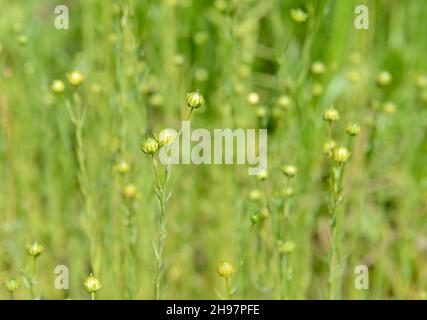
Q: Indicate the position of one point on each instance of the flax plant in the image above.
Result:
(77, 113)
(165, 139)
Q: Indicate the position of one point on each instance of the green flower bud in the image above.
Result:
(35, 249)
(286, 247)
(263, 175)
(317, 89)
(288, 192)
(329, 146)
(57, 86)
(331, 115)
(353, 129)
(122, 167)
(284, 102)
(92, 284)
(11, 284)
(195, 100)
(150, 146)
(298, 15)
(255, 218)
(341, 154)
(166, 137)
(253, 98)
(255, 195)
(130, 191)
(264, 214)
(389, 108)
(225, 269)
(75, 78)
(318, 68)
(289, 170)
(23, 39)
(384, 78)
(421, 81)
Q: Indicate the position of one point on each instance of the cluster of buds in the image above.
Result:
(167, 137)
(339, 154)
(75, 79)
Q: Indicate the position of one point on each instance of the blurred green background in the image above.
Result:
(252, 61)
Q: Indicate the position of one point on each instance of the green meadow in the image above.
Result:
(88, 210)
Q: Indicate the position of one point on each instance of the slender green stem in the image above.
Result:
(162, 233)
(227, 285)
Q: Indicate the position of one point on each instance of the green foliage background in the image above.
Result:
(140, 59)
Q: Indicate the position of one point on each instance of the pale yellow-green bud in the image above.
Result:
(353, 129)
(201, 37)
(421, 81)
(255, 218)
(122, 167)
(35, 249)
(253, 98)
(264, 213)
(195, 100)
(255, 195)
(130, 191)
(166, 137)
(354, 76)
(329, 146)
(57, 86)
(317, 89)
(331, 115)
(389, 108)
(341, 154)
(75, 78)
(289, 170)
(287, 192)
(384, 78)
(284, 102)
(225, 269)
(92, 284)
(155, 100)
(318, 68)
(262, 175)
(150, 146)
(11, 284)
(298, 15)
(261, 112)
(286, 247)
(23, 39)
